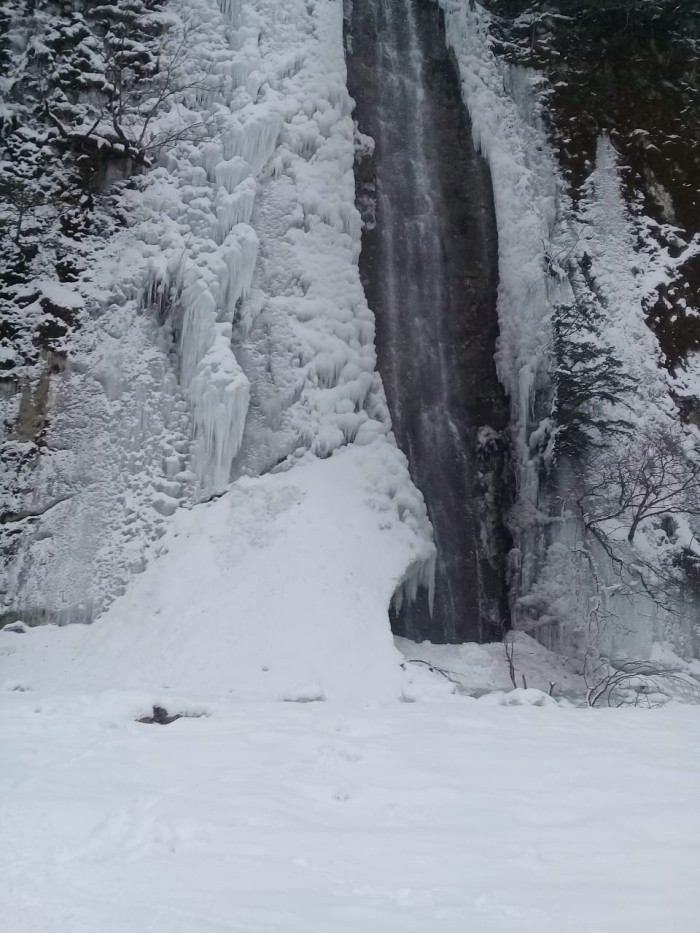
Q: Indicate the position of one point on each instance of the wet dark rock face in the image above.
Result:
(430, 269)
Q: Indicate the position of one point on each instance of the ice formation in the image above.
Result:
(539, 228)
(507, 129)
(225, 330)
(265, 238)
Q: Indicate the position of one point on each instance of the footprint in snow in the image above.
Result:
(336, 754)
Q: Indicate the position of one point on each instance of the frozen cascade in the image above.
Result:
(294, 136)
(210, 286)
(429, 265)
(209, 267)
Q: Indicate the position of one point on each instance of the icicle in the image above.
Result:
(419, 575)
(240, 252)
(219, 393)
(199, 317)
(211, 156)
(230, 173)
(234, 208)
(237, 70)
(255, 141)
(232, 11)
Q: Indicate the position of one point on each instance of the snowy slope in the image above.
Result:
(279, 588)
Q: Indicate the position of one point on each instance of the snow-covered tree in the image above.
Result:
(84, 87)
(589, 380)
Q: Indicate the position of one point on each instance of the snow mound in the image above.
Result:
(477, 670)
(521, 696)
(278, 589)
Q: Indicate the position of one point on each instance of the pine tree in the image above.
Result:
(590, 381)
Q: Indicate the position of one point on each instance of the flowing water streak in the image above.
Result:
(429, 266)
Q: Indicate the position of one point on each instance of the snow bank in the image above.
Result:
(481, 669)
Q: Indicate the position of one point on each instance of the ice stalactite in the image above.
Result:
(207, 268)
(419, 577)
(209, 287)
(229, 173)
(506, 114)
(232, 11)
(219, 393)
(234, 208)
(506, 119)
(254, 141)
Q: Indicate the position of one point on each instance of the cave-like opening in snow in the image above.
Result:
(429, 266)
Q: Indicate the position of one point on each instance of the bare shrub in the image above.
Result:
(657, 474)
(632, 683)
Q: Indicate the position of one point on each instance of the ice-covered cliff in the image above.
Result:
(223, 332)
(183, 308)
(594, 270)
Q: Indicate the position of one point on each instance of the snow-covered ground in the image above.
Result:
(452, 815)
